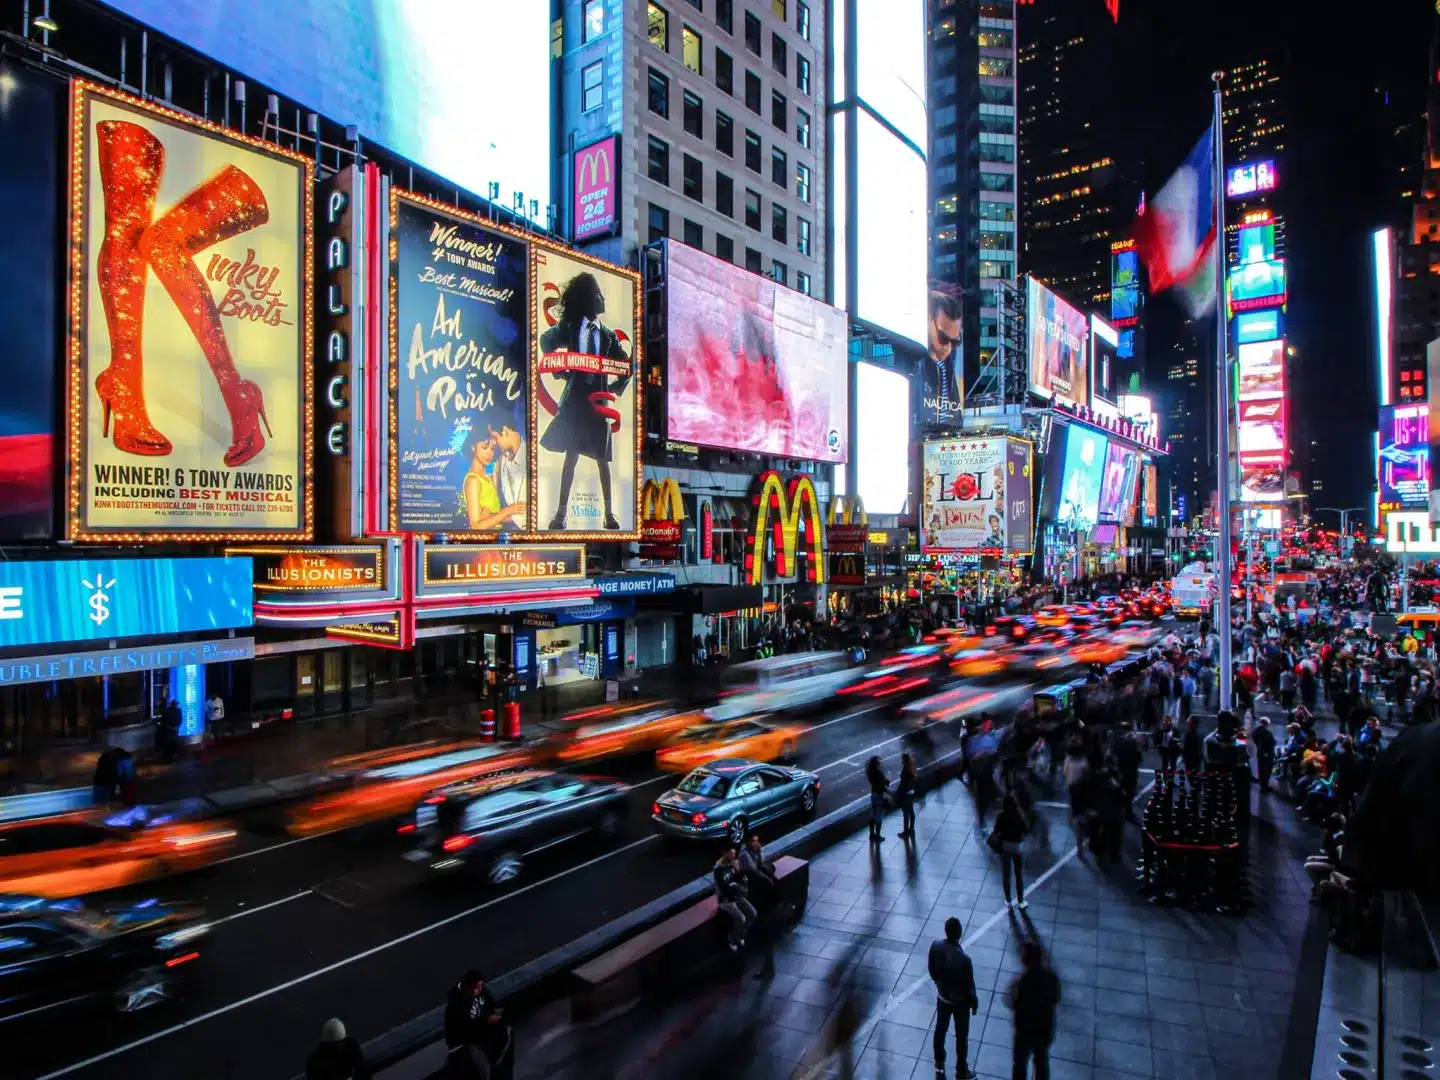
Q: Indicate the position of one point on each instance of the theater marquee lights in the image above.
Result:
(785, 509)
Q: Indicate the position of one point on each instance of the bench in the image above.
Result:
(680, 946)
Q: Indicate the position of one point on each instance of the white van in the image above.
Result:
(789, 683)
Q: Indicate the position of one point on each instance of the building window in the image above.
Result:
(779, 272)
(996, 39)
(1003, 152)
(802, 236)
(659, 28)
(592, 90)
(752, 32)
(752, 209)
(997, 94)
(802, 24)
(779, 167)
(997, 181)
(694, 178)
(802, 182)
(694, 111)
(724, 134)
(802, 279)
(996, 68)
(752, 260)
(802, 75)
(779, 55)
(593, 23)
(779, 224)
(802, 128)
(724, 248)
(725, 15)
(692, 48)
(778, 7)
(659, 94)
(659, 223)
(725, 194)
(779, 109)
(659, 161)
(693, 234)
(724, 72)
(752, 151)
(752, 92)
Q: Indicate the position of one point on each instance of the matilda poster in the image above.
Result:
(963, 497)
(191, 379)
(461, 402)
(585, 407)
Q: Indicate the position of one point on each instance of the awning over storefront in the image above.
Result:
(708, 599)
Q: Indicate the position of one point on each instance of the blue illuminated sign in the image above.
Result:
(635, 584)
(1257, 326)
(84, 665)
(45, 603)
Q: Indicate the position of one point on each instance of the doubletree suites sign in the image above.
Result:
(485, 564)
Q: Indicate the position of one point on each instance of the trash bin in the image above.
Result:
(487, 725)
(512, 721)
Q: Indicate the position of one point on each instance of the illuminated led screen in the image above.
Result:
(1249, 178)
(1056, 348)
(421, 79)
(882, 438)
(891, 64)
(1257, 285)
(1404, 455)
(1257, 326)
(1256, 243)
(1124, 288)
(1085, 451)
(892, 286)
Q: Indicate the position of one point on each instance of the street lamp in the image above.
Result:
(1346, 544)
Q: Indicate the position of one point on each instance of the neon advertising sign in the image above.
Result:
(784, 508)
(1250, 179)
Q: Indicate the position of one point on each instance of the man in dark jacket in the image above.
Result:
(338, 1056)
(730, 891)
(1128, 755)
(476, 1031)
(1264, 740)
(1033, 998)
(954, 979)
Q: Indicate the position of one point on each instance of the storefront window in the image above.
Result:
(568, 653)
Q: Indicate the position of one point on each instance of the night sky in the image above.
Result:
(1338, 176)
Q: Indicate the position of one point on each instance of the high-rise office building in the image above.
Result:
(974, 139)
(1078, 190)
(1416, 257)
(1255, 112)
(711, 120)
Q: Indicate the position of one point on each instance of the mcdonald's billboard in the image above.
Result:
(662, 512)
(847, 525)
(847, 568)
(793, 514)
(595, 196)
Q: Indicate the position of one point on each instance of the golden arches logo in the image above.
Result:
(781, 508)
(594, 160)
(847, 510)
(660, 500)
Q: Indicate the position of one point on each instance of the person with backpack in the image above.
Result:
(338, 1057)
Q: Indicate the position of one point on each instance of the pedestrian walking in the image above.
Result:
(905, 795)
(1264, 740)
(338, 1057)
(879, 782)
(1008, 840)
(480, 1041)
(955, 999)
(1034, 996)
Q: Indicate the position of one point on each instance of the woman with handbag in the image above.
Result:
(879, 782)
(1008, 840)
(905, 795)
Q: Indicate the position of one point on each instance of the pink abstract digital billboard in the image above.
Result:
(753, 365)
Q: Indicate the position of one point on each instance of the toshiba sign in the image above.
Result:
(596, 187)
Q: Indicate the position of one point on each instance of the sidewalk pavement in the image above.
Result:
(1148, 991)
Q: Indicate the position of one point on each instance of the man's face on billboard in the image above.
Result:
(944, 336)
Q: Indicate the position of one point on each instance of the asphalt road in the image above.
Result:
(340, 925)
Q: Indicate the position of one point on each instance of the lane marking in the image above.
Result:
(271, 847)
(261, 907)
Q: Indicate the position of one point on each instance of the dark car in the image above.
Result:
(726, 799)
(58, 954)
(495, 822)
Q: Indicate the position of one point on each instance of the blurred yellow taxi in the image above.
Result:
(75, 854)
(748, 737)
(614, 730)
(976, 663)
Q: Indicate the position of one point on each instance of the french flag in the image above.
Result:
(1176, 231)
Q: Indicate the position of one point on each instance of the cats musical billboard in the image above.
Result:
(190, 311)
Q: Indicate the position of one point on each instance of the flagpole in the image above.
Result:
(1222, 395)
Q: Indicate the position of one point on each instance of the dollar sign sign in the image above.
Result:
(99, 608)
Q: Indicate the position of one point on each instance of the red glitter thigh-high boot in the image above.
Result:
(131, 163)
(226, 205)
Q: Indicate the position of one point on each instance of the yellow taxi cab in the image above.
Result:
(1099, 651)
(386, 785)
(748, 737)
(1053, 615)
(614, 730)
(74, 854)
(974, 663)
